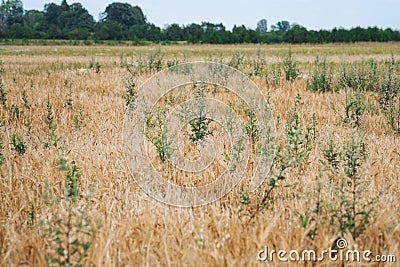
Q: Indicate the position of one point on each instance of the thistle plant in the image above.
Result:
(158, 134)
(69, 230)
(199, 126)
(290, 67)
(320, 80)
(289, 158)
(18, 144)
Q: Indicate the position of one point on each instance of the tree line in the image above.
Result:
(122, 21)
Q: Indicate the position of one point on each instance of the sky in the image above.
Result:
(312, 14)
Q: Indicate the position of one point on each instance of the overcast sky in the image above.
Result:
(313, 14)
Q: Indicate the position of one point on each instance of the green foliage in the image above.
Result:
(69, 101)
(18, 144)
(244, 198)
(350, 214)
(72, 181)
(94, 65)
(25, 100)
(78, 119)
(320, 80)
(157, 133)
(332, 154)
(150, 62)
(16, 112)
(130, 86)
(49, 116)
(70, 230)
(251, 127)
(32, 212)
(289, 158)
(355, 107)
(2, 158)
(347, 211)
(389, 96)
(199, 126)
(122, 21)
(361, 76)
(259, 64)
(28, 125)
(290, 67)
(52, 138)
(3, 94)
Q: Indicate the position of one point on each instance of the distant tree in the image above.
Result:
(77, 21)
(297, 34)
(124, 14)
(214, 33)
(152, 33)
(194, 33)
(11, 12)
(174, 32)
(34, 19)
(262, 25)
(52, 13)
(67, 21)
(282, 26)
(109, 30)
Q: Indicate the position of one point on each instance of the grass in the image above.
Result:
(137, 230)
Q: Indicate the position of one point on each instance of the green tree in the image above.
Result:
(174, 32)
(262, 25)
(283, 26)
(11, 12)
(193, 33)
(34, 19)
(297, 35)
(124, 14)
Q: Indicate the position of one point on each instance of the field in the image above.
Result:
(68, 197)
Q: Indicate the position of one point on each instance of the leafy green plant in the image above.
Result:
(236, 60)
(28, 125)
(16, 112)
(259, 64)
(355, 107)
(332, 154)
(351, 213)
(290, 67)
(360, 76)
(25, 100)
(251, 127)
(18, 144)
(158, 134)
(289, 158)
(3, 94)
(94, 65)
(320, 80)
(200, 124)
(347, 211)
(32, 212)
(244, 198)
(2, 158)
(69, 101)
(389, 96)
(52, 138)
(49, 116)
(130, 86)
(276, 74)
(78, 119)
(69, 230)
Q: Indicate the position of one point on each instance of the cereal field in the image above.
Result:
(68, 197)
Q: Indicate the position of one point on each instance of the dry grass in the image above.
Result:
(139, 231)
